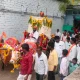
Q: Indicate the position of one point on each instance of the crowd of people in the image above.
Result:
(61, 56)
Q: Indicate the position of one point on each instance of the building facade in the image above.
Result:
(72, 18)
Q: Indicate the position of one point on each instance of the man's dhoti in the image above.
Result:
(23, 77)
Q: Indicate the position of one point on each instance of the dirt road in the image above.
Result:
(6, 75)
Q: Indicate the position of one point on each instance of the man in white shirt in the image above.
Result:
(41, 64)
(58, 33)
(72, 52)
(35, 33)
(64, 65)
(59, 46)
(67, 43)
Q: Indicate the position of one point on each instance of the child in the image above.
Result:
(73, 65)
(64, 65)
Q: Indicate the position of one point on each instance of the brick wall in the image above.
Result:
(14, 24)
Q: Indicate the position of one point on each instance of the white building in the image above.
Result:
(14, 23)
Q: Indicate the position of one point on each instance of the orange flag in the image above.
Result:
(4, 34)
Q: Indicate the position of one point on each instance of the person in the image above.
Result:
(25, 34)
(77, 38)
(75, 30)
(67, 43)
(73, 65)
(78, 52)
(58, 33)
(27, 38)
(59, 46)
(41, 64)
(26, 63)
(68, 34)
(72, 52)
(64, 36)
(73, 35)
(52, 61)
(64, 65)
(35, 33)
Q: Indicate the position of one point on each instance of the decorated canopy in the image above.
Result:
(43, 24)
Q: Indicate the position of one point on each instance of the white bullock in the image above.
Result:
(15, 57)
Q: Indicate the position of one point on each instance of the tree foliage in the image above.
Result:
(64, 3)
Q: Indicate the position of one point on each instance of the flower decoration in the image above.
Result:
(39, 24)
(49, 23)
(6, 52)
(30, 20)
(45, 21)
(43, 40)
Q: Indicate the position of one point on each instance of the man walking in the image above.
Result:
(41, 64)
(52, 61)
(26, 64)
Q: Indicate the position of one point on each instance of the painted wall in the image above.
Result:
(15, 24)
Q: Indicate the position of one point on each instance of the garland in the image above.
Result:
(43, 40)
(45, 21)
(6, 53)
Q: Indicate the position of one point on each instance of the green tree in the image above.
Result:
(64, 3)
